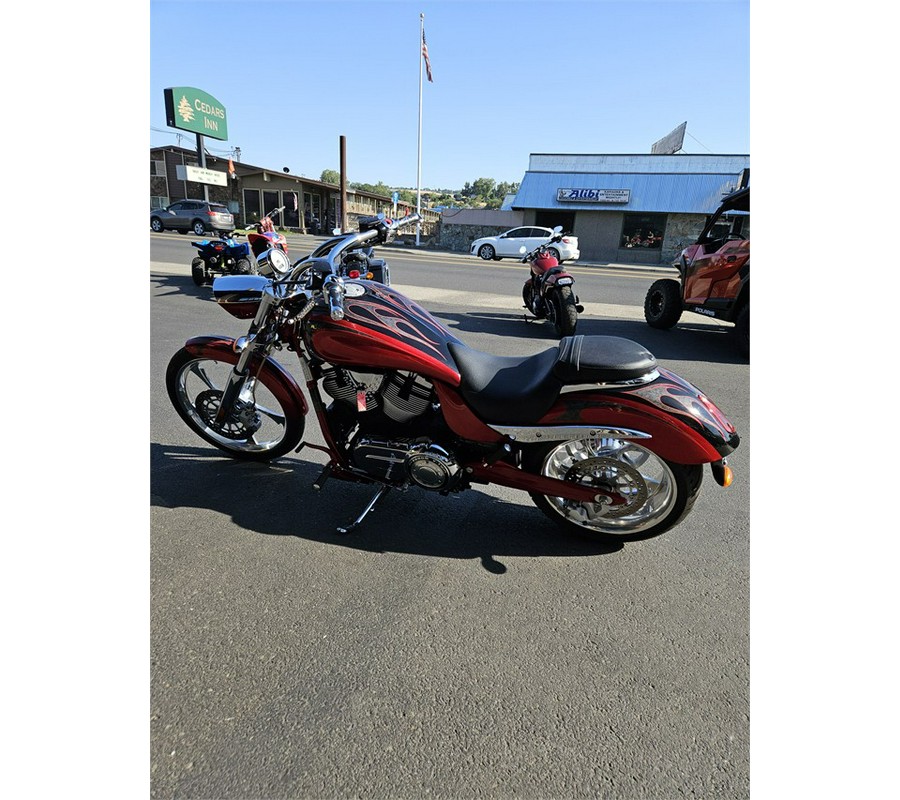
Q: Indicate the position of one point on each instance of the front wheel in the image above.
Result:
(156, 225)
(486, 252)
(198, 271)
(565, 312)
(259, 428)
(662, 305)
(658, 494)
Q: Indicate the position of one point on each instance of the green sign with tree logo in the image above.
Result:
(193, 110)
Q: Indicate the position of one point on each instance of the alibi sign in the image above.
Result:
(193, 110)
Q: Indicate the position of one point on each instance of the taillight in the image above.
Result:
(354, 273)
(566, 240)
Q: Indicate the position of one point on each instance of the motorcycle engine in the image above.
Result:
(421, 461)
(400, 397)
(382, 401)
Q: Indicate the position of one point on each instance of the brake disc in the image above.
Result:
(242, 423)
(615, 477)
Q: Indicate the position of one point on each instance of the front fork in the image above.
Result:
(246, 346)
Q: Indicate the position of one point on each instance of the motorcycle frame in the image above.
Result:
(604, 412)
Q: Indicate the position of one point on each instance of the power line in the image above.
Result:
(698, 141)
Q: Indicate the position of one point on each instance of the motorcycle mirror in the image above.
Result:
(336, 232)
(557, 229)
(523, 249)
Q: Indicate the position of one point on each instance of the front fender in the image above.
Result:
(276, 378)
(686, 426)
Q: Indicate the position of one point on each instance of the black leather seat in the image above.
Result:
(519, 390)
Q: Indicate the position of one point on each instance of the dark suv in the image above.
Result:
(714, 274)
(192, 215)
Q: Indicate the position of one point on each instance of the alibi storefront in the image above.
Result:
(640, 209)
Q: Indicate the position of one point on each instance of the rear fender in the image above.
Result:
(277, 379)
(552, 279)
(686, 427)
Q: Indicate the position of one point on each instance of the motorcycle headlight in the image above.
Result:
(273, 262)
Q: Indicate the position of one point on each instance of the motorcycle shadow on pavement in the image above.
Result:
(179, 284)
(277, 499)
(687, 341)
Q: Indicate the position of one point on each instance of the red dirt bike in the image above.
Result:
(265, 237)
(549, 292)
(608, 443)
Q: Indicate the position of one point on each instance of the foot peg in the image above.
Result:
(382, 491)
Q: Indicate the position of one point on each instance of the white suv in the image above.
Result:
(507, 245)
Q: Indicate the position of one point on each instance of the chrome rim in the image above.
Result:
(258, 424)
(486, 252)
(632, 471)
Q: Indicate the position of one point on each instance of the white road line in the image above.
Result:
(429, 296)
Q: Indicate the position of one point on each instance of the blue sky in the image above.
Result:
(511, 77)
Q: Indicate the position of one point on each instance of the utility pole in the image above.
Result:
(343, 184)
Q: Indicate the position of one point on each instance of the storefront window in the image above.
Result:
(270, 203)
(643, 230)
(251, 205)
(291, 203)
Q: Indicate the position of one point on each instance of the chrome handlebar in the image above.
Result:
(333, 284)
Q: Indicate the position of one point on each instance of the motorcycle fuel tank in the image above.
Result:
(384, 329)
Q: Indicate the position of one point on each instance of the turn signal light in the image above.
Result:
(722, 473)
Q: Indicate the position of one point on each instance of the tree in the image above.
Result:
(331, 176)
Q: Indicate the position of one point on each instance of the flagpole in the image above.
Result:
(419, 164)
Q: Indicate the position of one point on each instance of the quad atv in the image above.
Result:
(714, 274)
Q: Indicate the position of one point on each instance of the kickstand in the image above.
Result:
(382, 491)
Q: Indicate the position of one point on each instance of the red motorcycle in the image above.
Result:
(549, 292)
(606, 441)
(265, 237)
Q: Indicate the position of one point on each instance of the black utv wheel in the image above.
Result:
(662, 305)
(742, 331)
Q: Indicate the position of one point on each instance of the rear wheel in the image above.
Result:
(658, 494)
(565, 314)
(198, 271)
(662, 305)
(486, 252)
(198, 228)
(243, 266)
(259, 428)
(555, 253)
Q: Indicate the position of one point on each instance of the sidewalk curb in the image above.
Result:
(665, 269)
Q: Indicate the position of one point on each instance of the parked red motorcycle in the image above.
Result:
(549, 292)
(608, 443)
(265, 237)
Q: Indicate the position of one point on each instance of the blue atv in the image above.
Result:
(222, 256)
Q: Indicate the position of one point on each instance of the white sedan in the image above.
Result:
(507, 245)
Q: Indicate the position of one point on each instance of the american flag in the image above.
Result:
(427, 60)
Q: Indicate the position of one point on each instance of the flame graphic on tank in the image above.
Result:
(398, 316)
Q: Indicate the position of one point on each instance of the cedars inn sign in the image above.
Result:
(192, 110)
